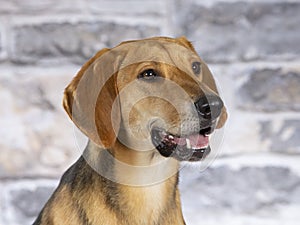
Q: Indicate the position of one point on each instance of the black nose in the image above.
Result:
(209, 106)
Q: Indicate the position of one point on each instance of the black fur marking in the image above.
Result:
(82, 216)
(70, 175)
(38, 220)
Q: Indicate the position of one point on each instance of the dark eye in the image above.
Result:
(196, 66)
(149, 74)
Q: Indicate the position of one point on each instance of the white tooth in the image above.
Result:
(170, 137)
(188, 143)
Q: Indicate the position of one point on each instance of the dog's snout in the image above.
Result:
(209, 107)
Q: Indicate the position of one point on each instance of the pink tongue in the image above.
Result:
(196, 140)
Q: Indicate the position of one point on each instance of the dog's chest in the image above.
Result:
(144, 203)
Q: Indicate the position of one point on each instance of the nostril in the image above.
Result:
(204, 109)
(209, 106)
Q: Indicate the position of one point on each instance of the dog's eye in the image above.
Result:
(149, 74)
(196, 67)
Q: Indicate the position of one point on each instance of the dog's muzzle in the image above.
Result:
(209, 107)
(195, 146)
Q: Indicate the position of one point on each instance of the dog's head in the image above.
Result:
(147, 94)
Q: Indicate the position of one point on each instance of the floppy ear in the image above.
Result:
(90, 96)
(186, 43)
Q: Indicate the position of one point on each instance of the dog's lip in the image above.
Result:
(192, 147)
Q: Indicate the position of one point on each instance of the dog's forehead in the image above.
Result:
(128, 55)
(156, 50)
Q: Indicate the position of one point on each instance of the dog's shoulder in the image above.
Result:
(72, 182)
(72, 173)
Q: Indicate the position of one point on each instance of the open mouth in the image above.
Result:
(193, 147)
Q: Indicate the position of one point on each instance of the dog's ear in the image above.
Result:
(90, 97)
(186, 43)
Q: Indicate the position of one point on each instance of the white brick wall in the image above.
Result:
(252, 48)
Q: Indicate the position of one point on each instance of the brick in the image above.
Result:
(2, 199)
(24, 199)
(284, 138)
(76, 42)
(37, 7)
(27, 202)
(6, 6)
(1, 47)
(128, 7)
(270, 90)
(228, 31)
(247, 190)
(37, 130)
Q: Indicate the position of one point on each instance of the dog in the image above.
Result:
(145, 106)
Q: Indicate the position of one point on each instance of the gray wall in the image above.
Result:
(252, 47)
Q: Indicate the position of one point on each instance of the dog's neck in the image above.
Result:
(130, 167)
(146, 189)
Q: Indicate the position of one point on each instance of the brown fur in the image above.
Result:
(99, 104)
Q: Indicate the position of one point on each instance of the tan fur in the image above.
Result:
(121, 178)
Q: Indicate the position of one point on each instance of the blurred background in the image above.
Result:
(251, 46)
